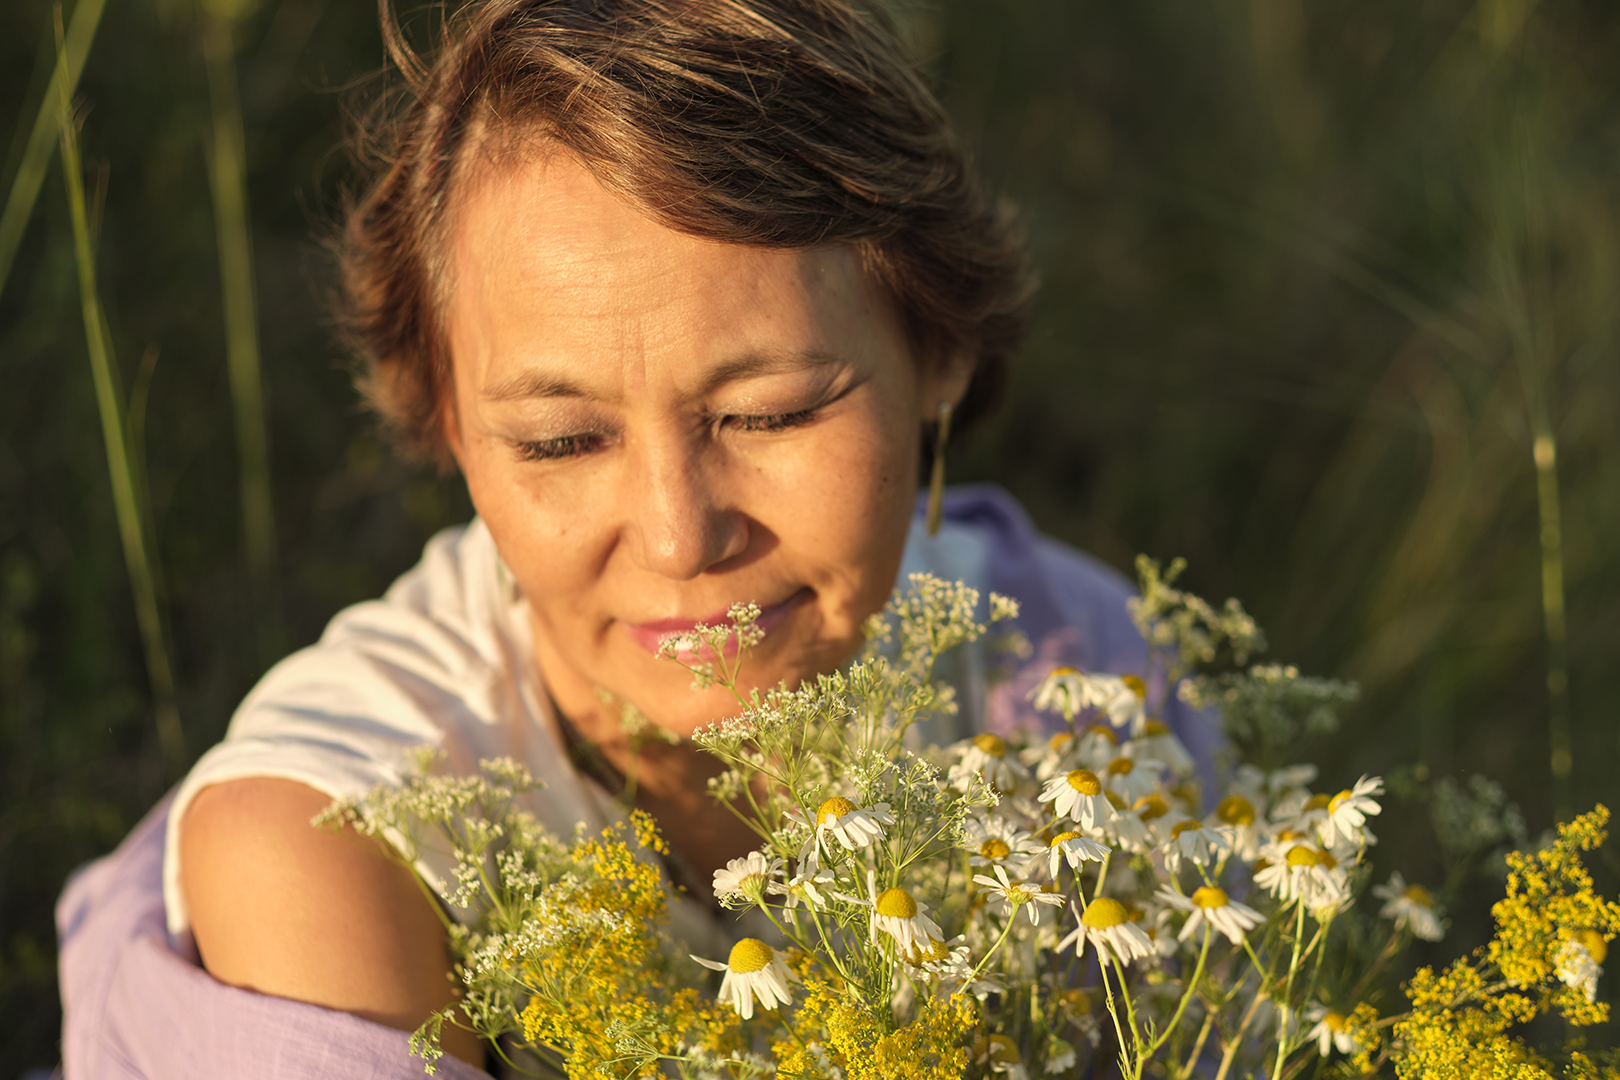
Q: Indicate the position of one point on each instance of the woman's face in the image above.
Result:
(656, 427)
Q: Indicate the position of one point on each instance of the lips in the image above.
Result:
(649, 634)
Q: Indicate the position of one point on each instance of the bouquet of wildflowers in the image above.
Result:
(1008, 905)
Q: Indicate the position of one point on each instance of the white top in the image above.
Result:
(446, 659)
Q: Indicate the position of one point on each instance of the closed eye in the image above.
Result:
(772, 423)
(568, 446)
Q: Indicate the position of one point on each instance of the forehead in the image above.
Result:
(548, 268)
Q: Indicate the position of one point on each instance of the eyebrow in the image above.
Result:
(541, 384)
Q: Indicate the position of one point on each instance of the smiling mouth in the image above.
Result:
(649, 634)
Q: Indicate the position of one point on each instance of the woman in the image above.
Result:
(684, 290)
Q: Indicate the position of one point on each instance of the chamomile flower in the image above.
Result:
(1160, 743)
(1132, 778)
(1347, 813)
(1000, 1055)
(1078, 796)
(1060, 1055)
(993, 840)
(1580, 962)
(1212, 905)
(987, 754)
(1127, 830)
(1409, 905)
(854, 827)
(1196, 842)
(1096, 747)
(1332, 1030)
(1070, 846)
(1237, 814)
(900, 915)
(811, 885)
(754, 970)
(1051, 757)
(1069, 692)
(1019, 894)
(1105, 924)
(1062, 692)
(745, 879)
(1305, 873)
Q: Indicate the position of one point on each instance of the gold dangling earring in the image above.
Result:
(936, 482)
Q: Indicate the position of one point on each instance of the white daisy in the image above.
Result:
(897, 913)
(854, 827)
(1332, 1030)
(1068, 845)
(753, 971)
(807, 885)
(1306, 873)
(1160, 743)
(987, 754)
(745, 879)
(1580, 962)
(1069, 692)
(1410, 905)
(1212, 905)
(1062, 692)
(1347, 813)
(1078, 795)
(1051, 757)
(1105, 924)
(1197, 842)
(1000, 1055)
(1060, 1055)
(1132, 778)
(992, 840)
(1019, 894)
(1238, 815)
(1097, 746)
(1127, 830)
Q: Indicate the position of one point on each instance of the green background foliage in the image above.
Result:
(1315, 275)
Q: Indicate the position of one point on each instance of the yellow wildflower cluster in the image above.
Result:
(1461, 1019)
(931, 1047)
(603, 1004)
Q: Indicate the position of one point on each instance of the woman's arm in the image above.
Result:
(283, 908)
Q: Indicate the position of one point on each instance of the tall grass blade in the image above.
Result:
(42, 139)
(228, 178)
(128, 500)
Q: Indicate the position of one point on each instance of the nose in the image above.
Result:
(681, 522)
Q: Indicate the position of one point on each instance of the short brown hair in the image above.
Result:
(771, 123)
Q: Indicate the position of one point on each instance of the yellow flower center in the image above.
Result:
(1289, 834)
(1114, 800)
(1135, 685)
(1104, 731)
(1596, 947)
(1334, 1021)
(995, 848)
(1062, 836)
(1235, 810)
(1338, 800)
(1300, 855)
(1121, 766)
(1104, 912)
(1209, 897)
(1316, 802)
(836, 807)
(1155, 728)
(1085, 782)
(994, 745)
(1076, 1001)
(1059, 741)
(1151, 806)
(749, 954)
(1058, 671)
(896, 904)
(1326, 859)
(1419, 895)
(1182, 826)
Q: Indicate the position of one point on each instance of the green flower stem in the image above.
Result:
(1192, 986)
(71, 54)
(1284, 1035)
(128, 497)
(1198, 1044)
(227, 174)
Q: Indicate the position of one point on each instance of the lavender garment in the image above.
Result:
(137, 1003)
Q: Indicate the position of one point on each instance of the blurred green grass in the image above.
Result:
(1307, 268)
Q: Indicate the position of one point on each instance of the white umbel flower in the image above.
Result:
(1580, 962)
(745, 879)
(752, 971)
(1019, 894)
(1410, 905)
(1348, 811)
(1106, 924)
(1332, 1030)
(1078, 796)
(1212, 905)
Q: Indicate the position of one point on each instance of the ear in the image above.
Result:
(947, 379)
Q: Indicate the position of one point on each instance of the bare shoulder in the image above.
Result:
(283, 908)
